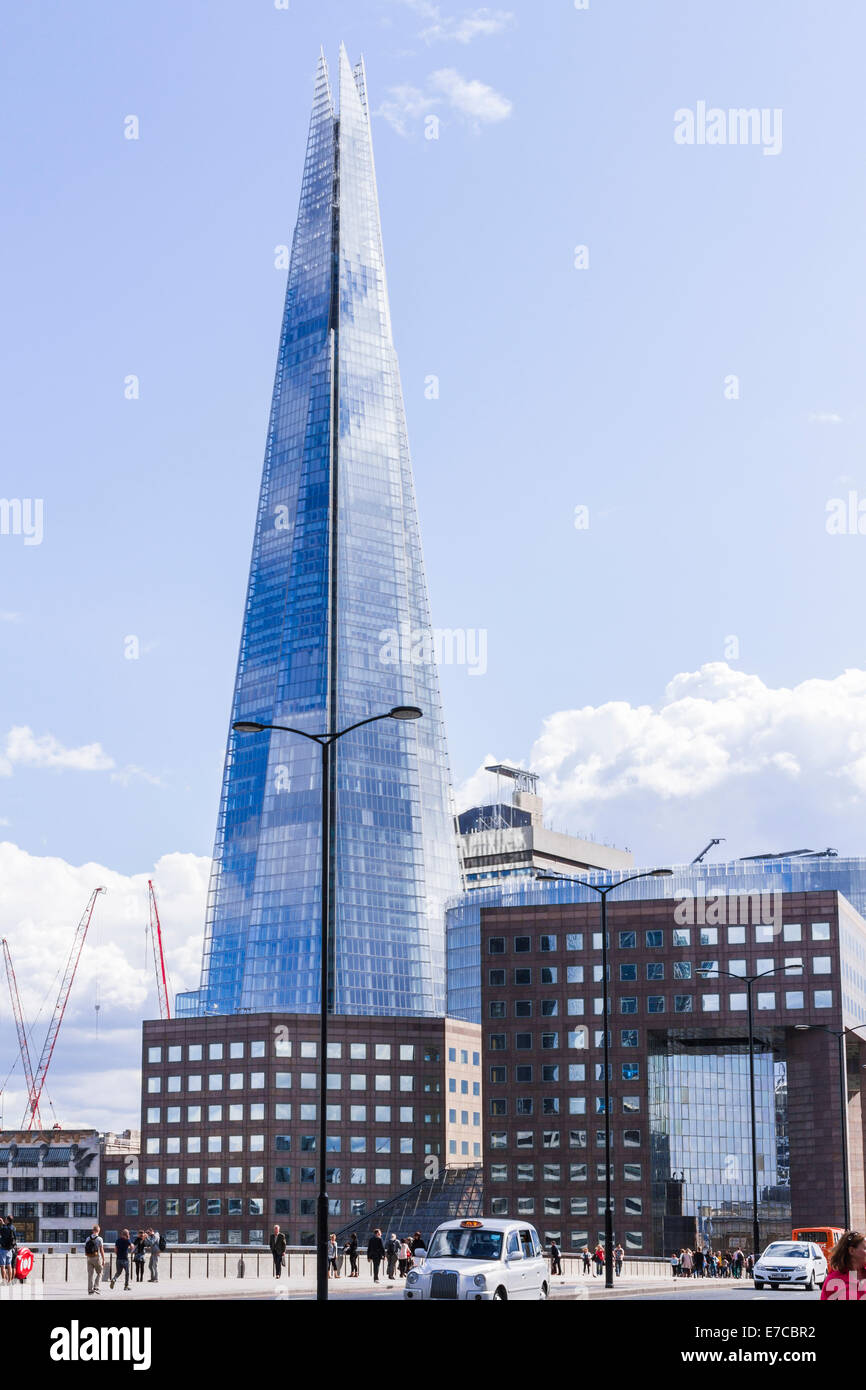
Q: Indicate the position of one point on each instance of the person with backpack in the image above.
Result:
(155, 1247)
(122, 1247)
(94, 1252)
(8, 1241)
(392, 1250)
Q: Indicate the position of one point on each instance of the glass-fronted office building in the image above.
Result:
(335, 618)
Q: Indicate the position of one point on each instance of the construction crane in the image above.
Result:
(158, 957)
(22, 1034)
(698, 859)
(60, 1009)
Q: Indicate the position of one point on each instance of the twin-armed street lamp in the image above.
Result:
(749, 981)
(602, 893)
(326, 743)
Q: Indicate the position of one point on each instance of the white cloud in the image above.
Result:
(24, 749)
(464, 28)
(10, 617)
(824, 417)
(469, 98)
(41, 901)
(721, 753)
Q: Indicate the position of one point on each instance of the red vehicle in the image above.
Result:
(23, 1263)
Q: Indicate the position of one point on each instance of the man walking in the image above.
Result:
(122, 1248)
(555, 1259)
(392, 1251)
(154, 1250)
(618, 1257)
(94, 1251)
(277, 1243)
(8, 1241)
(375, 1252)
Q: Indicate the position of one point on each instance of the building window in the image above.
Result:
(682, 1003)
(628, 1004)
(496, 945)
(736, 936)
(547, 943)
(820, 931)
(627, 940)
(823, 998)
(794, 999)
(628, 972)
(766, 999)
(792, 931)
(682, 970)
(522, 944)
(496, 979)
(655, 1003)
(628, 1037)
(574, 941)
(655, 970)
(654, 940)
(710, 1003)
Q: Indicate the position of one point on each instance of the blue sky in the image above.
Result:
(674, 670)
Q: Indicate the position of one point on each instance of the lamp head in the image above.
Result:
(405, 712)
(248, 726)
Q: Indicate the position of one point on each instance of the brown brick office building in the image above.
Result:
(679, 1067)
(229, 1123)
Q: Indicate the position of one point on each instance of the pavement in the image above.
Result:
(302, 1288)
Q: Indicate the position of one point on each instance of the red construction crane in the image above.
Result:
(22, 1034)
(158, 957)
(60, 1007)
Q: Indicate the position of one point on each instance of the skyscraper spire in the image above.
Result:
(336, 598)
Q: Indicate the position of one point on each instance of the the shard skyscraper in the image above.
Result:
(336, 604)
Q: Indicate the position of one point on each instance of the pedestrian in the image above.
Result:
(750, 1263)
(332, 1258)
(139, 1249)
(94, 1251)
(8, 1242)
(675, 1265)
(277, 1242)
(709, 1264)
(687, 1263)
(618, 1257)
(404, 1258)
(598, 1260)
(375, 1252)
(846, 1269)
(392, 1250)
(122, 1247)
(739, 1261)
(352, 1252)
(555, 1259)
(587, 1259)
(154, 1249)
(698, 1259)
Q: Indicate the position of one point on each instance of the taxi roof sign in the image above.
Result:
(471, 1225)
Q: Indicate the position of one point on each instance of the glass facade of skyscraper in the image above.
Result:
(335, 605)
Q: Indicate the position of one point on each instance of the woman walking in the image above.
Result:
(139, 1250)
(352, 1252)
(333, 1267)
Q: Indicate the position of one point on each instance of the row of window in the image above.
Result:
(568, 1206)
(551, 1071)
(49, 1185)
(553, 1172)
(551, 1138)
(282, 1081)
(658, 1004)
(283, 1143)
(215, 1114)
(550, 1105)
(654, 939)
(356, 1051)
(577, 1038)
(157, 1177)
(57, 1235)
(629, 970)
(28, 1211)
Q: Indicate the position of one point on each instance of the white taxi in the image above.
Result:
(481, 1260)
(791, 1262)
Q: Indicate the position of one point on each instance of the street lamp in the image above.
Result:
(839, 1034)
(749, 981)
(325, 742)
(603, 892)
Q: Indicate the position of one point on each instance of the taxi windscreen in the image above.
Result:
(466, 1245)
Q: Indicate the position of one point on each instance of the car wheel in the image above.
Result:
(774, 1286)
(758, 1284)
(810, 1283)
(500, 1296)
(545, 1292)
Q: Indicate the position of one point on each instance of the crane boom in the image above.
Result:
(60, 1006)
(22, 1034)
(158, 957)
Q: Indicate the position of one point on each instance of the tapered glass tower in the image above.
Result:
(336, 609)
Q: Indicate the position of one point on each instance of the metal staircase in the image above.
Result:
(455, 1193)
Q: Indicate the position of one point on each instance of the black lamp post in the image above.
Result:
(603, 892)
(839, 1034)
(326, 743)
(749, 981)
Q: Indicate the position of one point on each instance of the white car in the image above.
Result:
(481, 1260)
(791, 1262)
